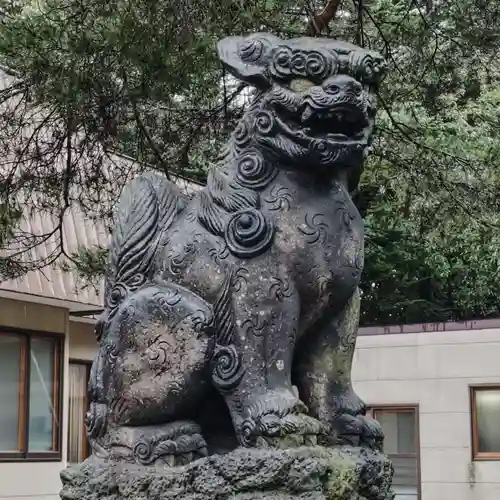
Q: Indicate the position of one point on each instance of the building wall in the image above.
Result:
(435, 369)
(82, 341)
(33, 316)
(40, 480)
(432, 369)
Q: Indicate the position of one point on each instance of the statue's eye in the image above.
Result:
(332, 89)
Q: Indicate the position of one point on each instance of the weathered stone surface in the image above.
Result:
(249, 290)
(307, 473)
(230, 321)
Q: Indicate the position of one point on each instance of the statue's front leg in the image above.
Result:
(323, 370)
(253, 370)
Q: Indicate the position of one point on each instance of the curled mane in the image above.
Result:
(234, 184)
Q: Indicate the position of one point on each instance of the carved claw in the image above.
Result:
(275, 432)
(179, 451)
(349, 429)
(351, 426)
(172, 444)
(373, 435)
(359, 430)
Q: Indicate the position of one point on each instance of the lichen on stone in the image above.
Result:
(307, 473)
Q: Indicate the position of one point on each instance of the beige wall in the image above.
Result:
(82, 342)
(431, 369)
(32, 316)
(40, 480)
(435, 370)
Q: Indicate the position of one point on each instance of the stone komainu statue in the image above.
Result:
(231, 318)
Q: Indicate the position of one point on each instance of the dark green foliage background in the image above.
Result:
(142, 77)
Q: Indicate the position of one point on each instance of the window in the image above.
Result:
(78, 448)
(485, 417)
(30, 408)
(400, 426)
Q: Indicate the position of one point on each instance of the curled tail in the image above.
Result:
(147, 208)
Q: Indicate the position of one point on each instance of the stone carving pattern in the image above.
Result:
(228, 289)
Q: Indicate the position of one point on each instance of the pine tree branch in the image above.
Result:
(319, 22)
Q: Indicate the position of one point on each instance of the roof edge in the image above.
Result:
(443, 326)
(175, 174)
(71, 305)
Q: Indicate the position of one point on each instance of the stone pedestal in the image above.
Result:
(307, 473)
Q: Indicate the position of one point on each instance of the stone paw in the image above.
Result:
(177, 443)
(288, 431)
(349, 403)
(172, 452)
(373, 435)
(359, 430)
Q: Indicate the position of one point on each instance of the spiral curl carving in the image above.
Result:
(298, 64)
(248, 432)
(120, 290)
(251, 50)
(136, 281)
(249, 233)
(157, 354)
(143, 452)
(117, 295)
(167, 299)
(279, 198)
(227, 368)
(318, 66)
(241, 134)
(366, 67)
(281, 62)
(264, 123)
(316, 229)
(253, 172)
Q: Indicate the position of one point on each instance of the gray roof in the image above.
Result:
(51, 282)
(78, 231)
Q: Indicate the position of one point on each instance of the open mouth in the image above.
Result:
(340, 123)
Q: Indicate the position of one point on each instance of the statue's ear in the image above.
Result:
(247, 58)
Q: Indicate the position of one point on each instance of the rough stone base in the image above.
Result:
(312, 473)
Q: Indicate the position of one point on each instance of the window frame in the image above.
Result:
(24, 400)
(88, 367)
(478, 456)
(404, 408)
